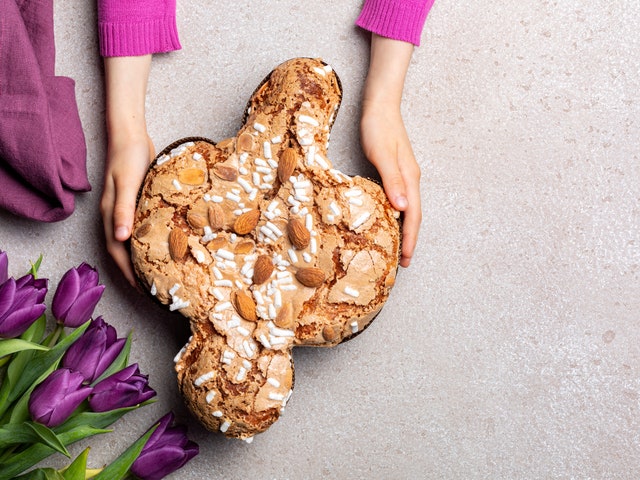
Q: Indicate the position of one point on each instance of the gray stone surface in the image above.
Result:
(510, 348)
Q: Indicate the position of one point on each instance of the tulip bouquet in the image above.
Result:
(70, 381)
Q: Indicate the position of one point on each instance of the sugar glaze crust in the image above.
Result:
(264, 246)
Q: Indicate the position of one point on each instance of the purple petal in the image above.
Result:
(7, 293)
(82, 309)
(119, 395)
(112, 335)
(163, 423)
(66, 293)
(120, 376)
(84, 354)
(37, 285)
(63, 410)
(157, 464)
(42, 286)
(4, 267)
(53, 400)
(88, 275)
(122, 389)
(18, 321)
(109, 355)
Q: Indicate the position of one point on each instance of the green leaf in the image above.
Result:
(35, 332)
(30, 433)
(77, 469)
(35, 267)
(119, 362)
(94, 419)
(121, 465)
(19, 462)
(48, 437)
(14, 345)
(14, 434)
(14, 372)
(41, 474)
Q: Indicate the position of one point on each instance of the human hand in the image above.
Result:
(384, 138)
(126, 167)
(129, 152)
(386, 144)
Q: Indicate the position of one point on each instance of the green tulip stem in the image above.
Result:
(53, 339)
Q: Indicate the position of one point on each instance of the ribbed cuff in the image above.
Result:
(124, 39)
(396, 19)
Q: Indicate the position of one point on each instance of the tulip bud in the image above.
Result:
(94, 351)
(126, 388)
(4, 267)
(21, 303)
(77, 295)
(167, 450)
(56, 398)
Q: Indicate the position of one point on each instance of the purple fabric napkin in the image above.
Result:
(42, 145)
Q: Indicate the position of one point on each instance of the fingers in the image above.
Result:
(392, 180)
(412, 214)
(123, 177)
(115, 246)
(400, 175)
(124, 208)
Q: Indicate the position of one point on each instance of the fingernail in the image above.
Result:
(402, 202)
(122, 233)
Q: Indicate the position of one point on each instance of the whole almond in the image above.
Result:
(225, 172)
(178, 244)
(142, 230)
(242, 248)
(246, 222)
(310, 276)
(329, 333)
(262, 269)
(287, 164)
(196, 220)
(298, 234)
(216, 216)
(245, 306)
(191, 176)
(284, 318)
(216, 244)
(245, 142)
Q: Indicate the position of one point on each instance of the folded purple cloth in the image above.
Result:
(42, 145)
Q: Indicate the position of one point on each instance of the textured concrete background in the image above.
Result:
(511, 347)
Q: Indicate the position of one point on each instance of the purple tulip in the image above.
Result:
(126, 388)
(4, 267)
(77, 295)
(94, 351)
(56, 398)
(21, 303)
(167, 450)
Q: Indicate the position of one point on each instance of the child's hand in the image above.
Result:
(129, 152)
(127, 163)
(383, 136)
(387, 146)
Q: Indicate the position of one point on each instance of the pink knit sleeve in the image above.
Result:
(397, 19)
(137, 27)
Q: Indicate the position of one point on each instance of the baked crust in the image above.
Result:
(263, 246)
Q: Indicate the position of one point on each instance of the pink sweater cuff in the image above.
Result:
(127, 28)
(396, 19)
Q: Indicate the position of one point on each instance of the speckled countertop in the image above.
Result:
(511, 347)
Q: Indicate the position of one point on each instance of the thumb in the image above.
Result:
(392, 180)
(123, 210)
